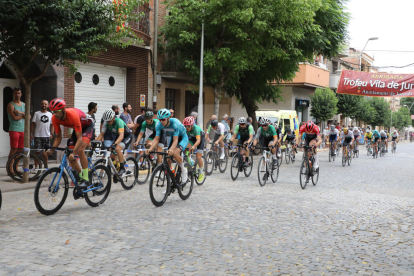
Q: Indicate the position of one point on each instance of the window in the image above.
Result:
(286, 123)
(191, 102)
(7, 98)
(95, 79)
(111, 81)
(78, 77)
(334, 66)
(169, 98)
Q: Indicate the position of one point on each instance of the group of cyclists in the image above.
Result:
(177, 136)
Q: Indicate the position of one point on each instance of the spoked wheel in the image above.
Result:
(304, 174)
(275, 172)
(223, 164)
(280, 159)
(51, 191)
(186, 188)
(200, 180)
(315, 177)
(144, 169)
(131, 173)
(211, 162)
(234, 169)
(330, 154)
(343, 160)
(159, 186)
(100, 181)
(36, 165)
(262, 171)
(248, 170)
(349, 159)
(287, 155)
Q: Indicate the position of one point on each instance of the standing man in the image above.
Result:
(126, 116)
(194, 115)
(109, 137)
(172, 113)
(16, 113)
(225, 121)
(137, 125)
(41, 128)
(92, 108)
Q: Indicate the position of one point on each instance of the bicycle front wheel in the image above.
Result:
(304, 173)
(275, 172)
(51, 191)
(144, 169)
(262, 172)
(100, 181)
(185, 189)
(248, 170)
(130, 177)
(315, 177)
(223, 163)
(287, 155)
(210, 161)
(197, 174)
(234, 169)
(159, 186)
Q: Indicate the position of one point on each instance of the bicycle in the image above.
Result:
(213, 160)
(289, 153)
(238, 165)
(145, 167)
(332, 154)
(356, 150)
(161, 178)
(393, 146)
(36, 166)
(131, 169)
(382, 149)
(346, 157)
(307, 169)
(192, 161)
(267, 167)
(369, 147)
(50, 188)
(375, 150)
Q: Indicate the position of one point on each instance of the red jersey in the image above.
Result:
(75, 118)
(315, 130)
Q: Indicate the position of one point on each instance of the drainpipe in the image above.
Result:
(152, 96)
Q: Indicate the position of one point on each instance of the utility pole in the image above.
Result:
(151, 98)
(200, 116)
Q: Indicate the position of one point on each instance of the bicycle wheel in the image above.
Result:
(159, 186)
(287, 155)
(99, 177)
(211, 162)
(197, 173)
(357, 153)
(223, 163)
(36, 165)
(280, 158)
(304, 173)
(262, 172)
(349, 159)
(234, 169)
(248, 170)
(315, 177)
(129, 178)
(144, 168)
(275, 173)
(186, 188)
(344, 156)
(51, 191)
(330, 153)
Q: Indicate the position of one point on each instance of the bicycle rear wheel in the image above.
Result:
(287, 155)
(144, 169)
(262, 172)
(234, 169)
(130, 177)
(275, 172)
(159, 186)
(304, 173)
(51, 191)
(315, 177)
(197, 173)
(185, 189)
(211, 162)
(223, 163)
(100, 178)
(248, 170)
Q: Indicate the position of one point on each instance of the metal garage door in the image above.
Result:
(102, 84)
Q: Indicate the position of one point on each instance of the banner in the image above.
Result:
(376, 84)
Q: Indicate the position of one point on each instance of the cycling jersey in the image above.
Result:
(357, 133)
(244, 132)
(221, 129)
(315, 132)
(394, 134)
(290, 136)
(368, 135)
(152, 126)
(117, 127)
(174, 129)
(376, 134)
(270, 132)
(348, 136)
(75, 118)
(333, 132)
(195, 131)
(383, 135)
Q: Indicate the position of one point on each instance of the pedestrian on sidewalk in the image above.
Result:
(92, 109)
(41, 128)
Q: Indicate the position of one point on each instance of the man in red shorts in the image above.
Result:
(83, 130)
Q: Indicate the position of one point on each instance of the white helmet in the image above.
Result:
(108, 115)
(242, 120)
(264, 121)
(382, 132)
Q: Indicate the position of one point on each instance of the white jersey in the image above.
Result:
(221, 129)
(394, 134)
(333, 132)
(383, 134)
(357, 133)
(348, 135)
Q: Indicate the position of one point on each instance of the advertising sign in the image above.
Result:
(142, 100)
(376, 84)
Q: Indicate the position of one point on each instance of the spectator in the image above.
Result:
(109, 137)
(126, 117)
(92, 108)
(172, 113)
(338, 127)
(16, 113)
(138, 122)
(250, 120)
(232, 119)
(41, 128)
(194, 115)
(226, 122)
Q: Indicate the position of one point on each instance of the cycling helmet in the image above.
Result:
(275, 125)
(355, 129)
(189, 121)
(242, 120)
(57, 104)
(149, 114)
(163, 113)
(345, 130)
(309, 126)
(382, 132)
(108, 115)
(368, 130)
(264, 121)
(288, 129)
(332, 127)
(214, 123)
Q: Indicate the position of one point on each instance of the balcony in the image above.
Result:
(141, 27)
(334, 80)
(310, 76)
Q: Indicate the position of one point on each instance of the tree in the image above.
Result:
(401, 119)
(349, 105)
(409, 103)
(247, 40)
(365, 113)
(60, 31)
(323, 104)
(382, 112)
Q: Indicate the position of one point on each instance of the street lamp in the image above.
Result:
(409, 109)
(360, 56)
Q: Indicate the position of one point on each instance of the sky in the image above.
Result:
(391, 22)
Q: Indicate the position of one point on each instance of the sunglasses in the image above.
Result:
(187, 126)
(242, 124)
(55, 111)
(162, 120)
(264, 125)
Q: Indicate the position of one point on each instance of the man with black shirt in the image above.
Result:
(92, 109)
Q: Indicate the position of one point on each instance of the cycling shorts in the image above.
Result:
(309, 138)
(333, 137)
(126, 141)
(264, 141)
(394, 138)
(87, 134)
(242, 140)
(356, 137)
(383, 138)
(200, 148)
(182, 142)
(217, 136)
(375, 139)
(347, 140)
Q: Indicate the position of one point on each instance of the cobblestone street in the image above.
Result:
(357, 220)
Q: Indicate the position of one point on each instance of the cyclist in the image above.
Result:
(123, 136)
(83, 130)
(150, 124)
(333, 134)
(267, 136)
(394, 136)
(279, 141)
(357, 135)
(171, 127)
(376, 136)
(368, 136)
(384, 137)
(347, 138)
(196, 138)
(221, 133)
(312, 138)
(246, 132)
(290, 137)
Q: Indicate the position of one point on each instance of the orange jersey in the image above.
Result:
(75, 118)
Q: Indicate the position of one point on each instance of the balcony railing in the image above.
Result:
(142, 25)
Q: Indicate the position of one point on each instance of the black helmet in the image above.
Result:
(149, 114)
(288, 129)
(214, 123)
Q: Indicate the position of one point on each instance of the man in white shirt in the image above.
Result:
(41, 128)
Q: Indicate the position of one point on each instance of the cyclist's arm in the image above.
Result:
(154, 143)
(275, 140)
(174, 142)
(221, 138)
(250, 138)
(139, 138)
(236, 131)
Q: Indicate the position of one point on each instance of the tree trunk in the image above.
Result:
(247, 102)
(217, 97)
(28, 95)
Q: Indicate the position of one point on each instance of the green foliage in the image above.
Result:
(401, 119)
(323, 104)
(382, 112)
(365, 113)
(349, 105)
(409, 103)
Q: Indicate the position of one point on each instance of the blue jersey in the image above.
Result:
(175, 128)
(376, 134)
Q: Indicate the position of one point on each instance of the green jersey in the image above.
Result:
(195, 131)
(117, 127)
(144, 125)
(244, 132)
(270, 132)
